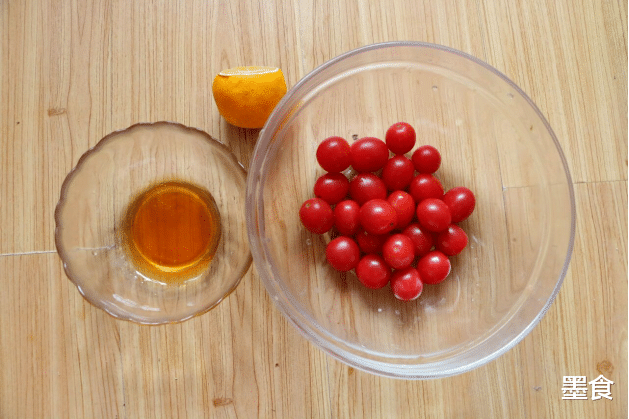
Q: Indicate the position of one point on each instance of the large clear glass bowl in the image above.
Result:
(493, 140)
(92, 214)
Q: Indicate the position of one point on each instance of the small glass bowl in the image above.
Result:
(492, 139)
(92, 223)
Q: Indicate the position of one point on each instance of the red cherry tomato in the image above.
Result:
(332, 187)
(426, 159)
(407, 284)
(378, 216)
(398, 173)
(434, 267)
(425, 186)
(342, 253)
(452, 240)
(367, 186)
(369, 154)
(334, 155)
(433, 214)
(422, 238)
(398, 251)
(404, 207)
(370, 243)
(346, 218)
(461, 202)
(373, 272)
(400, 138)
(316, 215)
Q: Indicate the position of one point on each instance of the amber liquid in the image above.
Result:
(171, 231)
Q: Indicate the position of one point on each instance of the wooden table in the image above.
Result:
(71, 72)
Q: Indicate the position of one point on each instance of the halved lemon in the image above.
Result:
(246, 96)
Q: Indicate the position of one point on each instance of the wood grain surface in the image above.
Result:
(73, 71)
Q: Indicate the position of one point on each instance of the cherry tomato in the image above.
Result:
(426, 159)
(407, 284)
(398, 173)
(373, 272)
(404, 207)
(367, 186)
(461, 202)
(342, 253)
(346, 218)
(452, 240)
(316, 215)
(434, 267)
(400, 138)
(425, 186)
(369, 154)
(331, 187)
(370, 243)
(378, 216)
(422, 238)
(433, 214)
(398, 251)
(334, 155)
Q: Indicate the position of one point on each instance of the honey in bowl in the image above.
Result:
(171, 231)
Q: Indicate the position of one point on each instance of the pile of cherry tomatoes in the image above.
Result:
(394, 223)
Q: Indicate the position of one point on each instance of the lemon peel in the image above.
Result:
(246, 96)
